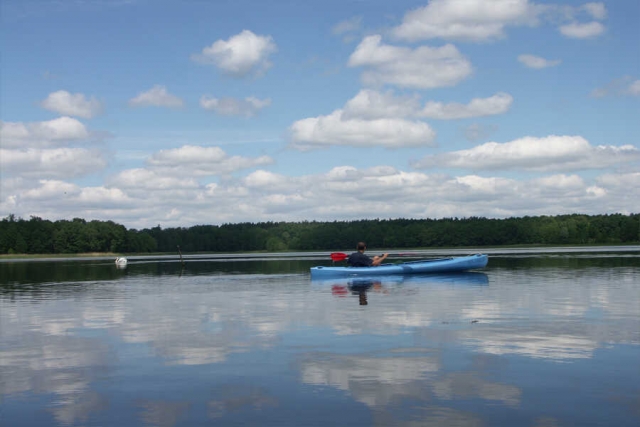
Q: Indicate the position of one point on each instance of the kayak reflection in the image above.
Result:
(384, 284)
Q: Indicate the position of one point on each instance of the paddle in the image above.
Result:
(340, 256)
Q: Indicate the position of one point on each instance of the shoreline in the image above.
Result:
(151, 254)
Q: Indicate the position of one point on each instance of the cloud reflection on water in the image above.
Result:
(386, 352)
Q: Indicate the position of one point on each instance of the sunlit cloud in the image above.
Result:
(578, 30)
(157, 96)
(192, 160)
(371, 104)
(552, 153)
(473, 20)
(51, 163)
(334, 129)
(422, 68)
(247, 107)
(482, 21)
(532, 61)
(68, 104)
(42, 134)
(241, 55)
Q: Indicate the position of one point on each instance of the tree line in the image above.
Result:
(41, 236)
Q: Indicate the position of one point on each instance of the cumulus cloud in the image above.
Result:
(550, 153)
(471, 20)
(191, 160)
(59, 163)
(42, 134)
(157, 96)
(373, 118)
(55, 199)
(343, 192)
(370, 104)
(247, 107)
(68, 104)
(334, 129)
(243, 54)
(576, 30)
(262, 178)
(480, 20)
(477, 107)
(537, 62)
(422, 68)
(140, 179)
(52, 189)
(571, 19)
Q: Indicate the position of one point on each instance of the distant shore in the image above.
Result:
(478, 248)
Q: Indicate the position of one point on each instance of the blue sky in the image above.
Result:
(195, 112)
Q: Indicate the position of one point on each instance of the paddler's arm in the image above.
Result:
(377, 260)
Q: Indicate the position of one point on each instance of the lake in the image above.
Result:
(542, 337)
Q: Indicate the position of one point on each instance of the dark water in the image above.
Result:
(538, 338)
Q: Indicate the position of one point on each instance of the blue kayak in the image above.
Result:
(440, 265)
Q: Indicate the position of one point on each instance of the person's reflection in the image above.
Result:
(360, 287)
(362, 297)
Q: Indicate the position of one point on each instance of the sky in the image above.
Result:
(178, 113)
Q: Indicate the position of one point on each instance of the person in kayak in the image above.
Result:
(359, 259)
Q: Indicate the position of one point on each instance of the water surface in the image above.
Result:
(542, 337)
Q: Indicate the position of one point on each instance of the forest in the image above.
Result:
(41, 236)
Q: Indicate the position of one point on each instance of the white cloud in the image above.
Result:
(623, 180)
(423, 67)
(191, 160)
(344, 192)
(241, 55)
(596, 10)
(373, 118)
(348, 29)
(618, 87)
(473, 20)
(148, 180)
(50, 189)
(551, 153)
(480, 20)
(263, 179)
(157, 96)
(477, 107)
(51, 163)
(576, 30)
(68, 104)
(348, 26)
(334, 129)
(247, 107)
(42, 134)
(370, 104)
(533, 61)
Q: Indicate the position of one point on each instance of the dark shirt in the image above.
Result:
(358, 259)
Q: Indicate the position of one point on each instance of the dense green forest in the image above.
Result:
(40, 236)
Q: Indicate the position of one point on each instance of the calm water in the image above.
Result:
(538, 338)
